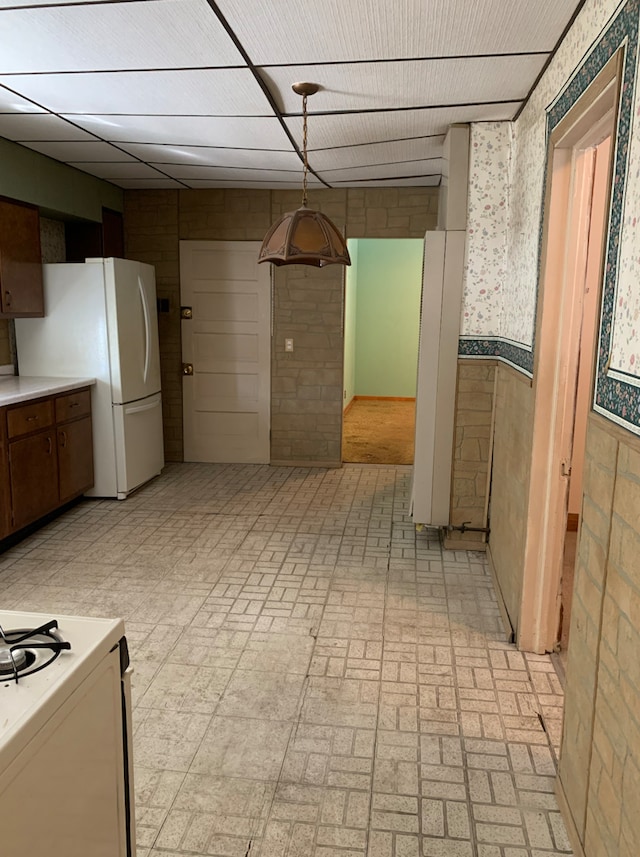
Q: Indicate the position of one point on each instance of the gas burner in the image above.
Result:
(24, 651)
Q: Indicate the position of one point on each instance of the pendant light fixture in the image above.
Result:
(304, 236)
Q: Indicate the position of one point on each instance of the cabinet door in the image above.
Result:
(5, 496)
(20, 261)
(33, 469)
(75, 458)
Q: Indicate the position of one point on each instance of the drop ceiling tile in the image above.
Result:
(377, 153)
(202, 92)
(264, 132)
(12, 103)
(330, 30)
(4, 4)
(365, 86)
(124, 170)
(208, 156)
(384, 171)
(263, 185)
(419, 181)
(167, 34)
(147, 184)
(188, 171)
(353, 128)
(81, 152)
(39, 126)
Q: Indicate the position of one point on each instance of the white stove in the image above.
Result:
(66, 780)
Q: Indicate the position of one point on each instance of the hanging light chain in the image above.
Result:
(304, 150)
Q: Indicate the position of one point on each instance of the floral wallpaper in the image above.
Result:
(600, 29)
(485, 262)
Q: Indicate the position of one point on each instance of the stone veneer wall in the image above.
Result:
(306, 385)
(512, 444)
(472, 450)
(599, 774)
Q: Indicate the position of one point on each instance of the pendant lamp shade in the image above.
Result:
(304, 236)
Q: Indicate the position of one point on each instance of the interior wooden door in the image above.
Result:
(226, 339)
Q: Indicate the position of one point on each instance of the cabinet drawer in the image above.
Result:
(76, 404)
(28, 418)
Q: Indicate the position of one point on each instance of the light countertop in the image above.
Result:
(21, 388)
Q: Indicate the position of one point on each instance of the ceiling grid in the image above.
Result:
(197, 93)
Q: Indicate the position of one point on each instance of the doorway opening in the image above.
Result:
(381, 330)
(577, 202)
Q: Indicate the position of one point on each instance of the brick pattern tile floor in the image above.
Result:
(312, 677)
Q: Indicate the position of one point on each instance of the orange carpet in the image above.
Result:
(379, 431)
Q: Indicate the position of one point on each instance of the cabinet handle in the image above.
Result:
(63, 439)
(7, 297)
(49, 446)
(74, 404)
(31, 419)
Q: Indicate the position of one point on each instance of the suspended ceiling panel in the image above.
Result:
(194, 93)
(199, 156)
(335, 30)
(39, 126)
(225, 173)
(362, 155)
(149, 34)
(259, 132)
(416, 181)
(265, 185)
(400, 169)
(348, 129)
(122, 170)
(218, 92)
(389, 85)
(87, 151)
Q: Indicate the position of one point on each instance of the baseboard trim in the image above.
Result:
(329, 465)
(509, 630)
(348, 407)
(567, 817)
(383, 399)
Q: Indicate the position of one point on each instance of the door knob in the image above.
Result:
(187, 368)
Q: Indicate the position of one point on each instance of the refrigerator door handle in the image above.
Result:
(136, 409)
(147, 328)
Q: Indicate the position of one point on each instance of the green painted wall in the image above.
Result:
(54, 187)
(389, 283)
(350, 307)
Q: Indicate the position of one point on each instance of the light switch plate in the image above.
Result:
(288, 345)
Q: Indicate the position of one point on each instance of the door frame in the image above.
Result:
(558, 325)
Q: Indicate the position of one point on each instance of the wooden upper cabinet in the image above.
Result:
(20, 261)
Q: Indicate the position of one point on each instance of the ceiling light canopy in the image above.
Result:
(304, 236)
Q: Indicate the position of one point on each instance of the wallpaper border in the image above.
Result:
(498, 348)
(613, 397)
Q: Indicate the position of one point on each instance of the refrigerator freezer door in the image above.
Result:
(139, 446)
(133, 329)
(71, 340)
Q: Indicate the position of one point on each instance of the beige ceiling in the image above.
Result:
(196, 93)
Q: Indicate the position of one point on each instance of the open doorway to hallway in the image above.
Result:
(577, 203)
(591, 173)
(381, 330)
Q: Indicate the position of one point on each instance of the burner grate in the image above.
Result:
(25, 651)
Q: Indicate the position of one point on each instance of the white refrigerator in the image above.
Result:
(100, 321)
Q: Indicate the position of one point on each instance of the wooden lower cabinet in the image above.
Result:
(75, 458)
(46, 450)
(33, 475)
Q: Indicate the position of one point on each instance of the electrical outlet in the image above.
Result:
(288, 345)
